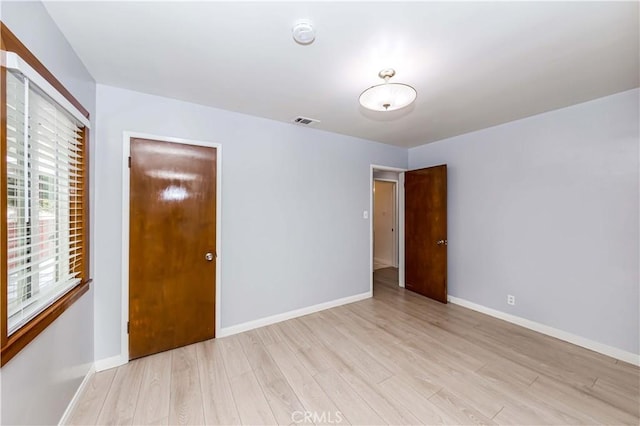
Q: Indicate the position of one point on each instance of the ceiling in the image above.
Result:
(474, 65)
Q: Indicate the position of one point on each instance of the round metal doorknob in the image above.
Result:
(208, 256)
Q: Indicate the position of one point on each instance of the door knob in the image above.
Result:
(208, 256)
(441, 242)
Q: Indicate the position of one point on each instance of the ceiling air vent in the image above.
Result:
(305, 121)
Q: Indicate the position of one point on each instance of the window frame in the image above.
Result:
(11, 345)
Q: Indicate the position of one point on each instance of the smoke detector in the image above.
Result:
(303, 32)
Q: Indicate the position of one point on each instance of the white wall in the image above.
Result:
(292, 233)
(48, 371)
(546, 209)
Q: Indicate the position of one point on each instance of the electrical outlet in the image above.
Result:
(511, 300)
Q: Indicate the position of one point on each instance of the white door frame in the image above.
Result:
(400, 211)
(396, 216)
(126, 152)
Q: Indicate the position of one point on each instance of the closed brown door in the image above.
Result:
(172, 258)
(426, 232)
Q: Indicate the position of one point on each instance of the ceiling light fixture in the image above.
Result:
(388, 96)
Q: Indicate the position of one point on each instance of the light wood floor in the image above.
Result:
(398, 358)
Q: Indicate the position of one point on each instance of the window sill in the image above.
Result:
(23, 336)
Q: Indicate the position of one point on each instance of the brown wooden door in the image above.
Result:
(172, 229)
(426, 232)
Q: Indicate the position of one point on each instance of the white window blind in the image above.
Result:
(44, 200)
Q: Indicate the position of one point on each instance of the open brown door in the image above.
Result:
(172, 258)
(426, 232)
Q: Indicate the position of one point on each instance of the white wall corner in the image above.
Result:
(611, 351)
(250, 325)
(76, 396)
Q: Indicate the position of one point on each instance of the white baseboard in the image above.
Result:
(611, 351)
(76, 396)
(250, 325)
(107, 363)
(118, 360)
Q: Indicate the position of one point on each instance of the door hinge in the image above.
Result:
(127, 327)
(129, 162)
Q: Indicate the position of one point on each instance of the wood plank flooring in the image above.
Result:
(397, 358)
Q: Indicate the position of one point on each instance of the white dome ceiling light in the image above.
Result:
(388, 96)
(303, 32)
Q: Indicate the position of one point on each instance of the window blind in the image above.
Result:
(44, 200)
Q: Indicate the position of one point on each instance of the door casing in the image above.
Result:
(126, 142)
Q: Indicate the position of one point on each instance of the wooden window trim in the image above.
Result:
(11, 43)
(11, 345)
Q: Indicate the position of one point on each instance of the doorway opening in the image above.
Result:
(387, 225)
(421, 237)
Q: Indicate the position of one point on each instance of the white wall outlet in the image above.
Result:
(365, 214)
(511, 300)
